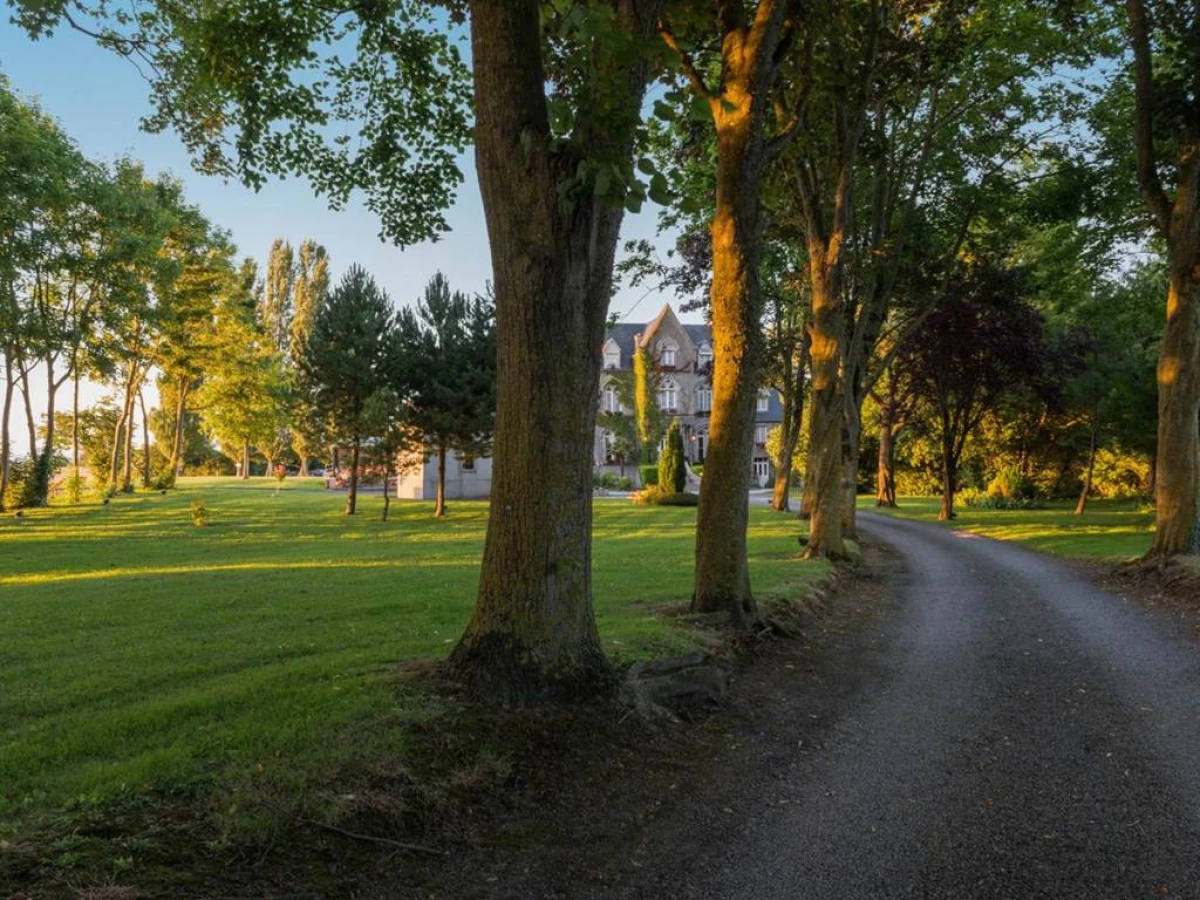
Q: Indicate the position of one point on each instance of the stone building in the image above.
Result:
(683, 356)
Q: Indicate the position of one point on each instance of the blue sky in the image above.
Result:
(99, 98)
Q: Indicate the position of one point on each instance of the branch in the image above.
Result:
(1143, 131)
(689, 67)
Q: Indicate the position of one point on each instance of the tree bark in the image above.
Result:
(176, 463)
(949, 481)
(1081, 506)
(147, 467)
(1177, 488)
(352, 490)
(127, 465)
(245, 473)
(387, 478)
(828, 412)
(749, 65)
(439, 506)
(532, 633)
(75, 422)
(793, 420)
(886, 472)
(5, 433)
(1177, 474)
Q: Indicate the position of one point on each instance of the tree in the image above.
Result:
(350, 356)
(754, 41)
(449, 350)
(309, 294)
(961, 380)
(672, 474)
(647, 415)
(1166, 69)
(557, 110)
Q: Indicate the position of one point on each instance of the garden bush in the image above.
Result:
(653, 496)
(672, 476)
(648, 475)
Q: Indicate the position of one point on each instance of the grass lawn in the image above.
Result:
(1110, 529)
(140, 654)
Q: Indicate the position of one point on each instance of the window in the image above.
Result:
(668, 395)
(666, 353)
(467, 461)
(703, 399)
(760, 434)
(762, 472)
(612, 355)
(705, 355)
(610, 399)
(764, 401)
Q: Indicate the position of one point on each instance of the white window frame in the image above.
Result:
(764, 401)
(610, 399)
(704, 399)
(667, 351)
(704, 356)
(668, 395)
(760, 434)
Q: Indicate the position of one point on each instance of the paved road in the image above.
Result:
(1025, 736)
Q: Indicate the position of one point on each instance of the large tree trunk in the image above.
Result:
(828, 416)
(851, 437)
(439, 506)
(1177, 488)
(722, 568)
(115, 454)
(533, 633)
(352, 490)
(748, 58)
(1081, 506)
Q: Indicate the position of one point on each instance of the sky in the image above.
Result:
(99, 98)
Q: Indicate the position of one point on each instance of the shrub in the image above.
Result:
(977, 499)
(652, 496)
(164, 481)
(72, 486)
(672, 477)
(648, 475)
(28, 481)
(1010, 485)
(608, 481)
(200, 512)
(624, 483)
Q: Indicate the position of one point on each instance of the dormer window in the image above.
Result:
(666, 354)
(704, 356)
(612, 355)
(668, 395)
(764, 401)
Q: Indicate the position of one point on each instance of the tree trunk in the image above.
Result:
(532, 632)
(739, 114)
(147, 468)
(30, 422)
(127, 465)
(1081, 506)
(5, 433)
(851, 436)
(439, 506)
(175, 466)
(245, 473)
(352, 490)
(793, 418)
(75, 422)
(885, 494)
(828, 417)
(949, 479)
(387, 478)
(1177, 489)
(118, 443)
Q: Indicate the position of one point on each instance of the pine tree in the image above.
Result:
(672, 476)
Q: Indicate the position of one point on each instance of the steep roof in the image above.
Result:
(624, 333)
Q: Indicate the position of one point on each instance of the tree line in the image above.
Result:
(851, 175)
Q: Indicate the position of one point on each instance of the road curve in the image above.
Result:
(1030, 736)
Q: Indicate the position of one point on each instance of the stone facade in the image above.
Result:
(683, 357)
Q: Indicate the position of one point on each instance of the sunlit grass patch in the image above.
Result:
(1109, 529)
(140, 653)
